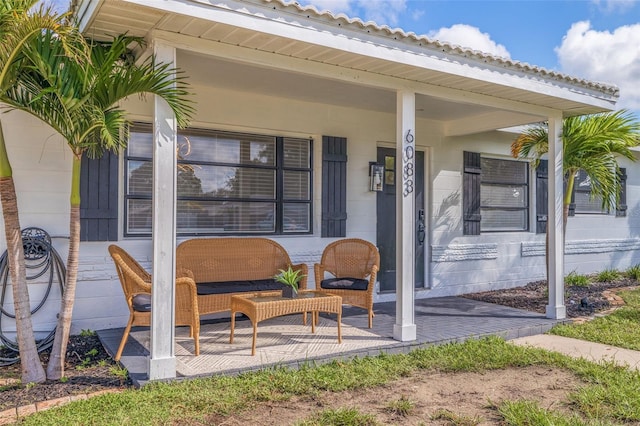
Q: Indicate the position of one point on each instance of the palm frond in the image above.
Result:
(592, 143)
(81, 101)
(117, 78)
(20, 26)
(532, 143)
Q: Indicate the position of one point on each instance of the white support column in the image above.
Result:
(556, 308)
(162, 363)
(405, 328)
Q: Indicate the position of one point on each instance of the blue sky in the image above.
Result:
(596, 40)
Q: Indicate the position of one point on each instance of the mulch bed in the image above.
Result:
(580, 301)
(89, 367)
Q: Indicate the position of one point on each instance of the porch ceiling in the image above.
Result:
(211, 71)
(485, 96)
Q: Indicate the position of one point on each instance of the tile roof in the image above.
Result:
(444, 47)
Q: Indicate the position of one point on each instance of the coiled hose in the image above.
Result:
(41, 258)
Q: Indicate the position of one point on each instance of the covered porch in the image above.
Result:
(285, 342)
(275, 68)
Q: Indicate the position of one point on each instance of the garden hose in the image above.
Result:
(41, 258)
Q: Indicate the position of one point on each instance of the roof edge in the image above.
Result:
(444, 47)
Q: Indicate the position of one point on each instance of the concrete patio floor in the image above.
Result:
(284, 341)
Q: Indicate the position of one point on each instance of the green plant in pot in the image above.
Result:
(290, 278)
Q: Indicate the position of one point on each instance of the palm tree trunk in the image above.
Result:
(571, 178)
(55, 369)
(32, 370)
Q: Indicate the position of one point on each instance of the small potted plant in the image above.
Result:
(290, 279)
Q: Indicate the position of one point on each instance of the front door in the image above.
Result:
(386, 225)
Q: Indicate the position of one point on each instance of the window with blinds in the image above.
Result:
(227, 183)
(583, 201)
(504, 195)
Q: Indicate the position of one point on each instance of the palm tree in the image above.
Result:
(81, 102)
(18, 28)
(592, 143)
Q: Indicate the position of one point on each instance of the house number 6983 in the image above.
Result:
(407, 166)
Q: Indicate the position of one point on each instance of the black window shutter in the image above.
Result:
(334, 186)
(621, 206)
(99, 198)
(471, 193)
(542, 196)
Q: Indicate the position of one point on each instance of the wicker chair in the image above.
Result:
(354, 264)
(136, 284)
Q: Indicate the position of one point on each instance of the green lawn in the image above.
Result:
(609, 395)
(620, 328)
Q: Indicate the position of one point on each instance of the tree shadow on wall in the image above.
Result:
(446, 220)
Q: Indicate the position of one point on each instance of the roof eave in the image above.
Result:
(85, 11)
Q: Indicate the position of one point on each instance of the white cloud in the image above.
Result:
(417, 14)
(609, 57)
(470, 37)
(382, 12)
(611, 6)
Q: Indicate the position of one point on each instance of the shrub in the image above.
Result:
(608, 275)
(634, 272)
(577, 280)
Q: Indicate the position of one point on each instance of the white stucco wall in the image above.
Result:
(42, 170)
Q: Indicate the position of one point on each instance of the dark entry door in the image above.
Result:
(386, 214)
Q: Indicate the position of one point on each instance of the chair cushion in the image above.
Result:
(141, 302)
(344, 284)
(238, 286)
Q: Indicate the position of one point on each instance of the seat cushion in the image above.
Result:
(344, 284)
(141, 302)
(238, 286)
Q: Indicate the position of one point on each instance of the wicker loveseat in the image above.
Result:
(222, 267)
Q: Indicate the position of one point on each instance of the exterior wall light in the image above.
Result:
(376, 173)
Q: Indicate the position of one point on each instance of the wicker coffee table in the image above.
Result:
(259, 307)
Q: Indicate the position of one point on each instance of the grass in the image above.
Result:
(340, 417)
(529, 413)
(608, 275)
(577, 280)
(633, 272)
(120, 372)
(454, 419)
(609, 393)
(400, 407)
(620, 328)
